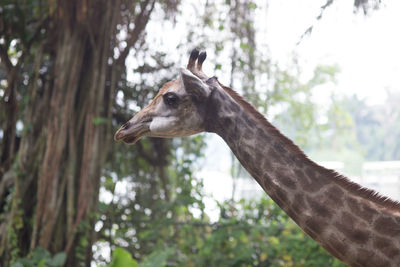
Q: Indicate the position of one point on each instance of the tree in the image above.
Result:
(57, 115)
(376, 127)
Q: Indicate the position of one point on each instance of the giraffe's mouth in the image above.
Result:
(132, 131)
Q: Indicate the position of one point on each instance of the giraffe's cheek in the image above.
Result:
(162, 125)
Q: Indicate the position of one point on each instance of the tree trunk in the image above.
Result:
(67, 132)
(49, 186)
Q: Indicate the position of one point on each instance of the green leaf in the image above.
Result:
(122, 258)
(25, 263)
(245, 46)
(42, 263)
(39, 254)
(252, 5)
(157, 259)
(58, 259)
(100, 120)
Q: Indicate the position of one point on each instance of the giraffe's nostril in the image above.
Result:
(126, 125)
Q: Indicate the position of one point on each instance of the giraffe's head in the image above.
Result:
(179, 109)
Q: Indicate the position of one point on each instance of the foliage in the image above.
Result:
(41, 258)
(258, 233)
(356, 132)
(297, 114)
(377, 128)
(249, 233)
(122, 258)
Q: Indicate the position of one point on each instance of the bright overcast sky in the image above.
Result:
(366, 49)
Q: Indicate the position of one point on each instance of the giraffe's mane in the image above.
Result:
(340, 179)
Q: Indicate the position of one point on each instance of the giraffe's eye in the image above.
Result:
(171, 99)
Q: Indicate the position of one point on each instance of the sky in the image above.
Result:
(366, 48)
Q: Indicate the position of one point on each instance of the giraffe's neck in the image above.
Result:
(355, 227)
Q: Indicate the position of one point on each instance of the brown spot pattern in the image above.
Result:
(299, 204)
(335, 194)
(287, 181)
(356, 235)
(279, 148)
(318, 208)
(340, 248)
(387, 226)
(281, 198)
(316, 226)
(347, 219)
(368, 258)
(274, 156)
(267, 165)
(311, 181)
(385, 246)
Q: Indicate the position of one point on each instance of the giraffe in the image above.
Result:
(354, 224)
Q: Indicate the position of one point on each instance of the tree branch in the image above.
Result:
(310, 29)
(145, 155)
(140, 24)
(5, 59)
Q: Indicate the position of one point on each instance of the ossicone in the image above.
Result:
(195, 63)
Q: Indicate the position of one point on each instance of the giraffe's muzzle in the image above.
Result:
(133, 130)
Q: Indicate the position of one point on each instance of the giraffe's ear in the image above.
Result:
(193, 85)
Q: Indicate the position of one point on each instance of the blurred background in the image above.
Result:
(324, 72)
